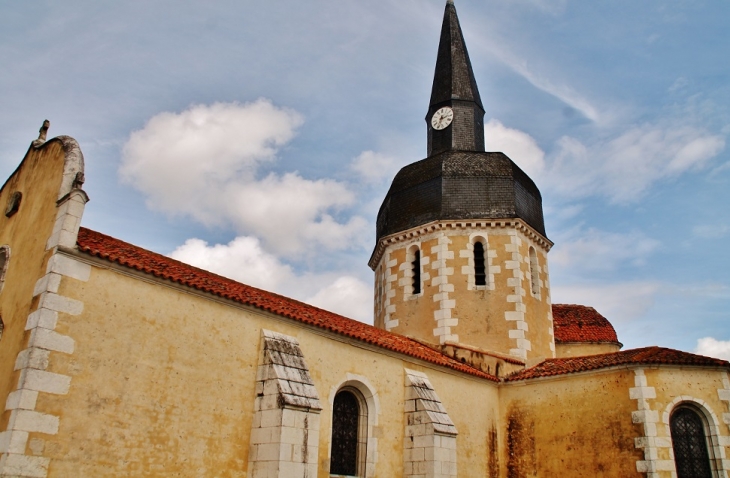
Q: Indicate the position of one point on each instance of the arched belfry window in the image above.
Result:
(480, 270)
(416, 266)
(349, 433)
(689, 442)
(534, 278)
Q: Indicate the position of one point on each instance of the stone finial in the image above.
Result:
(449, 2)
(42, 134)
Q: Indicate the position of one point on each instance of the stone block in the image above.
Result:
(60, 303)
(32, 357)
(25, 466)
(21, 399)
(44, 318)
(41, 381)
(30, 421)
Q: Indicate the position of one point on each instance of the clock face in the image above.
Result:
(442, 118)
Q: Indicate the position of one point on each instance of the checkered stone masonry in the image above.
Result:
(442, 315)
(285, 431)
(32, 364)
(389, 278)
(522, 345)
(650, 442)
(430, 439)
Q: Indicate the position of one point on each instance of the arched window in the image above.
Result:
(2, 327)
(416, 264)
(480, 271)
(349, 433)
(4, 259)
(13, 203)
(689, 441)
(534, 279)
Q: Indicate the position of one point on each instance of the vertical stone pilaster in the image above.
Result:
(285, 430)
(389, 278)
(649, 442)
(32, 364)
(522, 345)
(430, 438)
(68, 219)
(442, 314)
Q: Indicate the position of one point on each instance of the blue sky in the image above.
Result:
(257, 139)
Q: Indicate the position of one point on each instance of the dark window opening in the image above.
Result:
(417, 272)
(480, 271)
(345, 431)
(13, 203)
(690, 444)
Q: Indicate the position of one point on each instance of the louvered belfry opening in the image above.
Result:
(480, 272)
(345, 432)
(690, 444)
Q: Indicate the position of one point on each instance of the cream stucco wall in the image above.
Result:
(162, 382)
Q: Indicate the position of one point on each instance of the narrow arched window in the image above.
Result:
(689, 441)
(416, 264)
(2, 327)
(480, 271)
(349, 425)
(534, 278)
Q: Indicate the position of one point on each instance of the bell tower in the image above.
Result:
(461, 253)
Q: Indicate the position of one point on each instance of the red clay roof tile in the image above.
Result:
(579, 323)
(128, 255)
(642, 356)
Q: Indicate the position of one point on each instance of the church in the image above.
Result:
(118, 361)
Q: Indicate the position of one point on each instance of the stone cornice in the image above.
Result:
(430, 227)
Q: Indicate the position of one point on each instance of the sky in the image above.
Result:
(258, 139)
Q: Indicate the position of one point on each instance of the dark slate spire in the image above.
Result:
(454, 87)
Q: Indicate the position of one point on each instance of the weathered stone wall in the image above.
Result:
(504, 316)
(571, 426)
(163, 381)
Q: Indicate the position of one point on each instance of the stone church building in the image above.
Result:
(117, 361)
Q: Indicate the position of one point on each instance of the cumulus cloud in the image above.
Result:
(242, 259)
(710, 231)
(712, 347)
(621, 168)
(595, 250)
(205, 163)
(516, 144)
(374, 167)
(348, 296)
(245, 260)
(624, 167)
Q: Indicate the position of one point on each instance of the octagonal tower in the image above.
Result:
(461, 253)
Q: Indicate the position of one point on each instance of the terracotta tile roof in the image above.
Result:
(643, 356)
(128, 255)
(579, 323)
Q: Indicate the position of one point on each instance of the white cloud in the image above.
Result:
(595, 250)
(621, 168)
(203, 163)
(243, 259)
(374, 167)
(516, 144)
(618, 302)
(712, 347)
(348, 296)
(624, 167)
